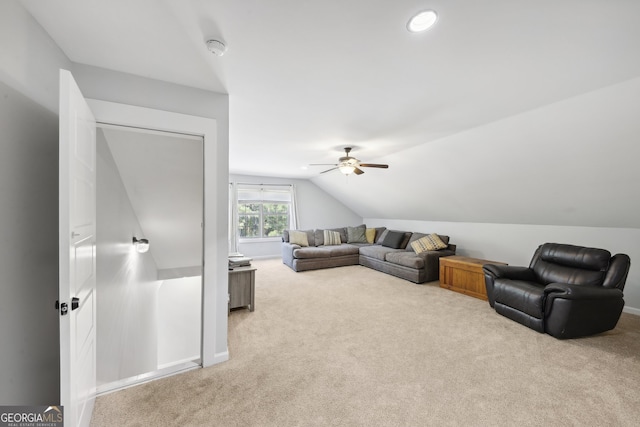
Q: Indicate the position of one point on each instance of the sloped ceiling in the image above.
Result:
(506, 111)
(163, 176)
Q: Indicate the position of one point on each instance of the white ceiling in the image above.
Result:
(307, 78)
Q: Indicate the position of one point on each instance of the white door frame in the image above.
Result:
(215, 268)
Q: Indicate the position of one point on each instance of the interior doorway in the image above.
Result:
(149, 312)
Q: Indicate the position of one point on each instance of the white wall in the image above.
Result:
(29, 354)
(29, 58)
(126, 282)
(515, 243)
(316, 209)
(179, 311)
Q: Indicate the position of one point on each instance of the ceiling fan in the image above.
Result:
(348, 164)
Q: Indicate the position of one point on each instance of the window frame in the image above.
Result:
(261, 202)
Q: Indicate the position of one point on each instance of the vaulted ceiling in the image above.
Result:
(501, 101)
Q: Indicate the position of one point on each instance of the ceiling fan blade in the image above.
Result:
(358, 171)
(329, 170)
(373, 165)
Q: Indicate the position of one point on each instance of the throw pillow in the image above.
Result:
(370, 234)
(356, 234)
(331, 238)
(431, 242)
(380, 235)
(298, 238)
(393, 239)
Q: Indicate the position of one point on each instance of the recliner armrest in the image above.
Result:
(567, 291)
(509, 272)
(572, 311)
(498, 271)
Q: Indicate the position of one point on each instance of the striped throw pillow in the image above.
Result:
(431, 242)
(331, 238)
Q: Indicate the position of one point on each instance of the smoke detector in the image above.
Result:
(216, 47)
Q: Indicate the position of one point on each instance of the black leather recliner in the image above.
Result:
(567, 291)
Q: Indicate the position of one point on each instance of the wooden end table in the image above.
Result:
(242, 287)
(464, 275)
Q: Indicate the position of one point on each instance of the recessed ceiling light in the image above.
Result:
(422, 21)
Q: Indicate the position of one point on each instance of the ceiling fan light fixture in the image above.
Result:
(346, 169)
(422, 21)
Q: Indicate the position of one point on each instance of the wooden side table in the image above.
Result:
(242, 286)
(464, 275)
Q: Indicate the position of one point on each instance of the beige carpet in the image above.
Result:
(350, 346)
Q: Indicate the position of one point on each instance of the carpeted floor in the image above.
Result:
(350, 346)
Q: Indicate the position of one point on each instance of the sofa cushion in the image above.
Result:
(356, 234)
(342, 250)
(377, 251)
(298, 238)
(407, 259)
(393, 239)
(405, 241)
(312, 252)
(431, 242)
(331, 238)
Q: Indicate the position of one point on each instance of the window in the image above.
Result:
(262, 219)
(263, 211)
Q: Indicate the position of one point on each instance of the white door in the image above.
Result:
(77, 278)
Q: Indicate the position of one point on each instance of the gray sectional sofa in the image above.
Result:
(398, 258)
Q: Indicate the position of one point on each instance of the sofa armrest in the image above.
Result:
(432, 260)
(287, 253)
(576, 292)
(438, 254)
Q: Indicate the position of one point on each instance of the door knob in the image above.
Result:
(75, 302)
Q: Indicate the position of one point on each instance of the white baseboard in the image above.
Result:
(146, 377)
(631, 310)
(266, 256)
(192, 359)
